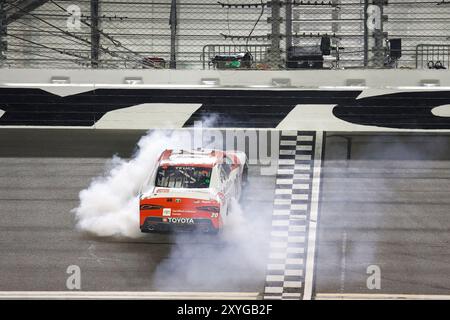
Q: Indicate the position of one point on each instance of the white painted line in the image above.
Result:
(283, 191)
(303, 157)
(302, 166)
(272, 297)
(279, 233)
(270, 278)
(309, 270)
(274, 289)
(280, 223)
(63, 295)
(286, 161)
(277, 255)
(292, 284)
(276, 244)
(295, 250)
(297, 228)
(303, 176)
(301, 186)
(277, 266)
(288, 142)
(283, 201)
(294, 261)
(291, 133)
(379, 296)
(292, 295)
(305, 138)
(296, 239)
(284, 181)
(297, 217)
(303, 148)
(278, 212)
(285, 171)
(343, 260)
(287, 152)
(299, 206)
(299, 197)
(290, 272)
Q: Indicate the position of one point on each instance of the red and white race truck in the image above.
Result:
(192, 190)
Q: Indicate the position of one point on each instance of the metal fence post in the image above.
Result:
(366, 34)
(173, 34)
(95, 35)
(378, 35)
(275, 20)
(2, 32)
(288, 25)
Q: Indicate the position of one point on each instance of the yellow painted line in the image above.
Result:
(379, 296)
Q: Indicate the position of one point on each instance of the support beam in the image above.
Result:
(366, 34)
(378, 35)
(336, 27)
(3, 43)
(173, 35)
(22, 9)
(275, 20)
(95, 34)
(288, 25)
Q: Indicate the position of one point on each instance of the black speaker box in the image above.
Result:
(305, 57)
(395, 51)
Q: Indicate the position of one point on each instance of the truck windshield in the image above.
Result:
(183, 177)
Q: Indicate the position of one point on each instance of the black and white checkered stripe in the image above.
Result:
(286, 267)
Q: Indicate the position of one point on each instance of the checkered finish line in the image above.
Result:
(285, 278)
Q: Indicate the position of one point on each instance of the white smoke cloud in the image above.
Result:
(235, 258)
(109, 206)
(237, 255)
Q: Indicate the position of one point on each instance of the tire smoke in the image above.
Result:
(235, 257)
(109, 206)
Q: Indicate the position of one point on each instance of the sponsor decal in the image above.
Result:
(181, 220)
(183, 211)
(162, 190)
(177, 200)
(167, 212)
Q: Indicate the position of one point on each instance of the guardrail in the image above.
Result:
(258, 52)
(432, 56)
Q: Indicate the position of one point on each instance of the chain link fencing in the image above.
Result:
(225, 34)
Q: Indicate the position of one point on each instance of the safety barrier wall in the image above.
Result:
(305, 78)
(350, 100)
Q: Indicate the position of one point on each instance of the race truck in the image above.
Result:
(192, 190)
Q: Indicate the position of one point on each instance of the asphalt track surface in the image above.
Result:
(387, 205)
(41, 174)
